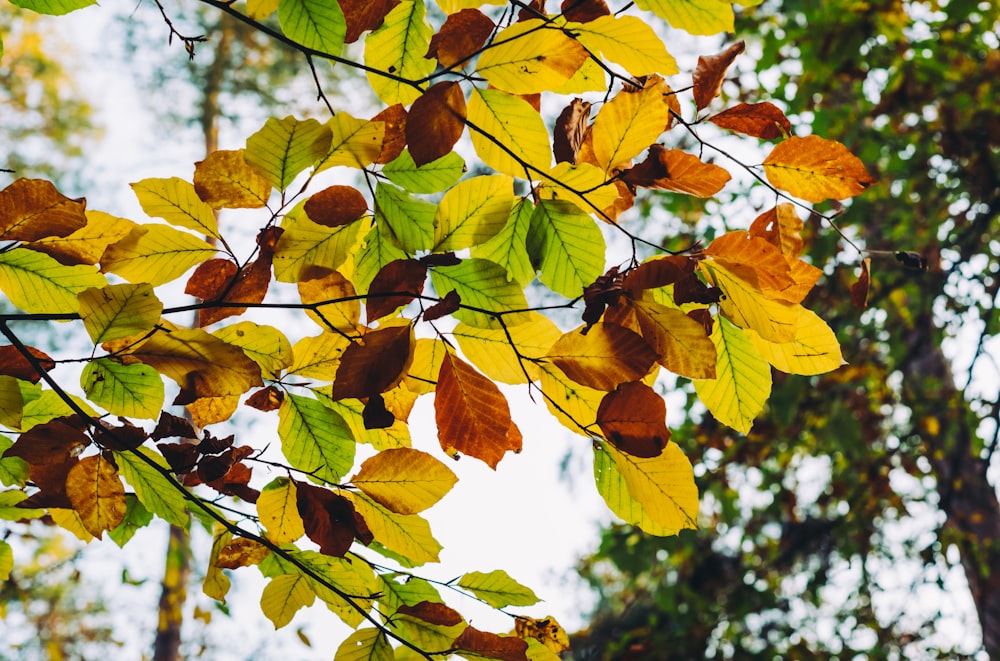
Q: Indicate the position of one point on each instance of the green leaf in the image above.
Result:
(432, 177)
(410, 590)
(133, 391)
(157, 494)
(9, 511)
(572, 247)
(351, 410)
(482, 284)
(509, 247)
(473, 211)
(316, 24)
(36, 283)
(53, 7)
(367, 644)
(175, 201)
(498, 589)
(743, 378)
(409, 220)
(14, 471)
(698, 17)
(503, 119)
(379, 249)
(136, 516)
(49, 405)
(117, 311)
(283, 596)
(399, 46)
(314, 438)
(283, 148)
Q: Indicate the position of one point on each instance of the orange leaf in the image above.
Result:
(659, 272)
(682, 343)
(605, 357)
(394, 118)
(711, 71)
(583, 11)
(336, 206)
(760, 120)
(375, 363)
(433, 612)
(473, 417)
(435, 122)
(633, 419)
(753, 259)
(816, 169)
(32, 209)
(363, 15)
(462, 34)
(221, 280)
(97, 494)
(225, 180)
(13, 363)
(571, 129)
(782, 227)
(394, 286)
(679, 171)
(266, 399)
(484, 643)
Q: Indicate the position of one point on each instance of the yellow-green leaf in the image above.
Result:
(14, 471)
(404, 481)
(319, 357)
(813, 350)
(305, 243)
(405, 535)
(355, 143)
(278, 512)
(155, 254)
(265, 345)
(409, 220)
(9, 510)
(472, 212)
(314, 438)
(216, 584)
(96, 493)
(11, 402)
(399, 46)
(367, 644)
(154, 491)
(698, 17)
(283, 596)
(6, 560)
(283, 148)
(628, 41)
(396, 435)
(117, 311)
(743, 379)
(433, 177)
(662, 485)
(611, 485)
(175, 201)
(572, 247)
(482, 284)
(573, 405)
(508, 247)
(497, 118)
(527, 58)
(133, 391)
(583, 184)
(316, 24)
(497, 589)
(491, 351)
(36, 283)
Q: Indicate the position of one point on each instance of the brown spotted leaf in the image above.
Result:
(375, 363)
(435, 122)
(394, 119)
(462, 34)
(760, 120)
(32, 209)
(336, 206)
(711, 71)
(224, 180)
(490, 645)
(473, 416)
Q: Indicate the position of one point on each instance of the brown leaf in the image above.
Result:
(659, 273)
(236, 482)
(860, 289)
(53, 442)
(602, 292)
(711, 71)
(760, 120)
(633, 419)
(693, 290)
(461, 36)
(364, 15)
(435, 122)
(97, 494)
(534, 9)
(220, 280)
(13, 363)
(182, 457)
(336, 206)
(120, 439)
(32, 209)
(210, 444)
(394, 118)
(782, 227)
(433, 612)
(51, 482)
(584, 11)
(266, 399)
(172, 426)
(375, 415)
(440, 259)
(375, 363)
(678, 171)
(484, 643)
(224, 180)
(451, 302)
(328, 518)
(211, 468)
(211, 278)
(816, 169)
(241, 552)
(605, 357)
(472, 415)
(393, 285)
(570, 131)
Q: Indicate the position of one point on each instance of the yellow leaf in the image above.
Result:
(356, 142)
(117, 311)
(743, 379)
(698, 17)
(305, 243)
(155, 254)
(527, 58)
(628, 41)
(427, 357)
(224, 180)
(404, 481)
(283, 596)
(97, 494)
(679, 341)
(406, 535)
(265, 345)
(504, 119)
(216, 584)
(258, 9)
(11, 402)
(605, 357)
(453, 6)
(87, 244)
(367, 644)
(813, 350)
(630, 123)
(491, 351)
(573, 405)
(816, 169)
(319, 357)
(70, 521)
(283, 148)
(344, 313)
(662, 485)
(278, 512)
(611, 485)
(396, 435)
(473, 211)
(748, 307)
(36, 283)
(584, 185)
(590, 77)
(175, 201)
(399, 46)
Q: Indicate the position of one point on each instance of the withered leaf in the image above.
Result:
(53, 442)
(182, 457)
(433, 612)
(484, 643)
(584, 11)
(860, 289)
(336, 206)
(711, 71)
(375, 363)
(364, 15)
(394, 118)
(678, 171)
(375, 415)
(570, 131)
(451, 302)
(393, 287)
(329, 519)
(97, 494)
(171, 426)
(14, 363)
(32, 209)
(462, 34)
(659, 273)
(435, 122)
(760, 120)
(266, 399)
(633, 419)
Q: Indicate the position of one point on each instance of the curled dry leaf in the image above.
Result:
(461, 36)
(710, 73)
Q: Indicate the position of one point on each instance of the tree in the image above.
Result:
(718, 314)
(904, 454)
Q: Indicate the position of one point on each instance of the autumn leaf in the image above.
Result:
(526, 58)
(176, 201)
(632, 418)
(462, 34)
(364, 15)
(678, 171)
(630, 122)
(571, 128)
(816, 169)
(336, 206)
(760, 120)
(16, 364)
(374, 363)
(283, 148)
(603, 358)
(490, 645)
(404, 480)
(32, 209)
(224, 180)
(435, 122)
(711, 71)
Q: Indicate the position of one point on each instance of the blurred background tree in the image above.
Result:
(860, 516)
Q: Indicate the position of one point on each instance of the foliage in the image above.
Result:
(870, 486)
(548, 196)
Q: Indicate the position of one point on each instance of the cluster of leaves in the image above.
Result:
(361, 257)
